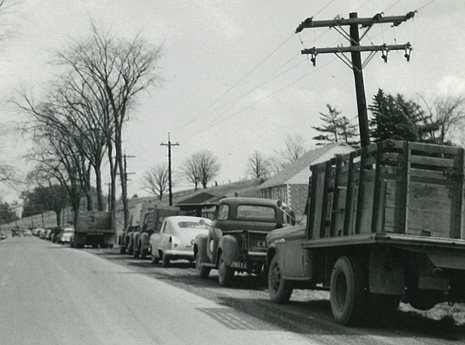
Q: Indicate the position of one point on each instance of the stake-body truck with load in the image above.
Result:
(384, 224)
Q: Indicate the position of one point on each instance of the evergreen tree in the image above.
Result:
(335, 128)
(398, 118)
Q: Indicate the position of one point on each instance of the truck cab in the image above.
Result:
(236, 240)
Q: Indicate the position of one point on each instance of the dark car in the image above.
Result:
(54, 234)
(236, 241)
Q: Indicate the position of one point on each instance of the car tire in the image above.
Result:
(202, 271)
(143, 253)
(165, 260)
(279, 289)
(155, 260)
(225, 273)
(347, 291)
(135, 252)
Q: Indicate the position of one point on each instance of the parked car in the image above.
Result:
(48, 234)
(236, 241)
(2, 235)
(27, 233)
(65, 237)
(16, 232)
(176, 238)
(54, 233)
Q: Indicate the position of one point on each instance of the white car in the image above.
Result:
(176, 238)
(66, 235)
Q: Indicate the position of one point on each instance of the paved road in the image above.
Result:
(56, 295)
(50, 294)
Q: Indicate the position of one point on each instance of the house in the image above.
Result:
(291, 184)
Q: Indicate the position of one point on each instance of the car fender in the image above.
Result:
(231, 249)
(144, 240)
(200, 247)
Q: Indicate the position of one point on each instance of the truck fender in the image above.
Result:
(200, 247)
(230, 247)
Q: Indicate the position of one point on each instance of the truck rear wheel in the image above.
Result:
(347, 291)
(225, 273)
(279, 289)
(202, 271)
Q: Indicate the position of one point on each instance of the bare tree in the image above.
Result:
(155, 180)
(200, 168)
(111, 72)
(258, 165)
(448, 115)
(293, 150)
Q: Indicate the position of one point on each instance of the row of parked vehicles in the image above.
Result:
(382, 225)
(235, 241)
(57, 234)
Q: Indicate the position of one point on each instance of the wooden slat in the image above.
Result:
(349, 195)
(324, 211)
(432, 161)
(312, 205)
(376, 192)
(335, 205)
(361, 185)
(406, 187)
(431, 148)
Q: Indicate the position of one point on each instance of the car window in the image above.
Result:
(163, 227)
(256, 211)
(193, 225)
(223, 212)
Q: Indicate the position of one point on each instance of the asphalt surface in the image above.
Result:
(51, 294)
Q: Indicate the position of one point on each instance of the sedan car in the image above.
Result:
(66, 235)
(176, 238)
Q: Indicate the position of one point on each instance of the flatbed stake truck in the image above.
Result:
(384, 224)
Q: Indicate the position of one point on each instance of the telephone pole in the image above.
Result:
(169, 144)
(355, 49)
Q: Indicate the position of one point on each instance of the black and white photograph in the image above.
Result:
(232, 172)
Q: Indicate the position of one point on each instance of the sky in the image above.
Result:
(235, 80)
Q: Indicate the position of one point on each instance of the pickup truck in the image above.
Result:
(236, 240)
(384, 224)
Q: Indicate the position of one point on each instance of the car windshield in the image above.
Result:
(193, 225)
(68, 230)
(256, 211)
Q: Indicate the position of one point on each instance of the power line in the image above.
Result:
(238, 82)
(262, 99)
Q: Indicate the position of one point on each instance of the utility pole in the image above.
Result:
(109, 197)
(355, 49)
(169, 144)
(125, 157)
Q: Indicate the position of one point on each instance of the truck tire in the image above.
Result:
(202, 271)
(165, 260)
(347, 291)
(225, 273)
(279, 289)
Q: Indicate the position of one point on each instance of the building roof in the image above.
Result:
(210, 196)
(300, 164)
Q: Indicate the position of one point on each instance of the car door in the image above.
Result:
(165, 234)
(155, 241)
